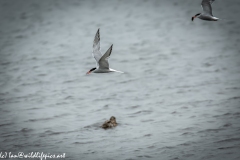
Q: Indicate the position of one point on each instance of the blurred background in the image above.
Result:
(179, 97)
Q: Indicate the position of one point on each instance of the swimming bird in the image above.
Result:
(110, 123)
(207, 11)
(101, 60)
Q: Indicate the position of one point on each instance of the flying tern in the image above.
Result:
(102, 65)
(207, 11)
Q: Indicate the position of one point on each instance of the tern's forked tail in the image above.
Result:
(113, 70)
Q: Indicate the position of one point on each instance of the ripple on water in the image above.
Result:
(144, 112)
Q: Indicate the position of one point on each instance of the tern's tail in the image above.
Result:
(119, 71)
(113, 70)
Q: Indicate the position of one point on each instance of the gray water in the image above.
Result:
(179, 97)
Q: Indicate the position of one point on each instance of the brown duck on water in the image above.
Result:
(110, 123)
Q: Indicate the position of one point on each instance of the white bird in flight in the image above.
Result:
(207, 11)
(101, 60)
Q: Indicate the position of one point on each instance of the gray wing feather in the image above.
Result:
(96, 47)
(103, 62)
(206, 5)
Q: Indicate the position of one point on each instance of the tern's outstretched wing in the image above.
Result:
(206, 5)
(96, 47)
(103, 62)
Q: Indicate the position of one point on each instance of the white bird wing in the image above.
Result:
(103, 62)
(96, 48)
(206, 6)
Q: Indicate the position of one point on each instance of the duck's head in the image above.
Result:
(91, 70)
(113, 119)
(196, 16)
